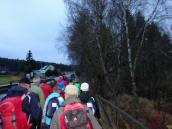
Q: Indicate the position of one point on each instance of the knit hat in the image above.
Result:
(71, 90)
(84, 86)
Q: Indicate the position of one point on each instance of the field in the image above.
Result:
(4, 79)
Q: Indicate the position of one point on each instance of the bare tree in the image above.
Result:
(101, 45)
(135, 6)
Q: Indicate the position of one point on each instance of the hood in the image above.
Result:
(72, 100)
(84, 96)
(16, 91)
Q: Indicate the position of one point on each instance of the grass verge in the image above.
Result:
(4, 79)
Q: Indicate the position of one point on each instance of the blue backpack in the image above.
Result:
(52, 103)
(61, 85)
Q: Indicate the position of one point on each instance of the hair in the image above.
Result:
(36, 79)
(71, 90)
(25, 80)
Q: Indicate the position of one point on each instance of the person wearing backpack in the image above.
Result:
(22, 105)
(87, 98)
(74, 115)
(47, 89)
(78, 85)
(35, 88)
(61, 86)
(52, 103)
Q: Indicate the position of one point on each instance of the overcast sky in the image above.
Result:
(33, 25)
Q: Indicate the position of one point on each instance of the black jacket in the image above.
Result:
(85, 97)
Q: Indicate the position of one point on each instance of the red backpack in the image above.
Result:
(11, 114)
(75, 116)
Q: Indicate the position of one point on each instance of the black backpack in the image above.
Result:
(52, 106)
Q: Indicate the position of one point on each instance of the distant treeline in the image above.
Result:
(15, 65)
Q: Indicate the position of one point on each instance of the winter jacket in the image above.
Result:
(61, 80)
(72, 99)
(78, 86)
(37, 90)
(47, 90)
(46, 119)
(29, 105)
(85, 98)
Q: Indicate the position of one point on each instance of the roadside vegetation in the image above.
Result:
(5, 79)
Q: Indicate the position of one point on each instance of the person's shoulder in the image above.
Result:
(17, 88)
(33, 96)
(32, 93)
(16, 91)
(39, 88)
(34, 88)
(59, 111)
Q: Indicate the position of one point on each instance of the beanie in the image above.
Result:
(71, 90)
(84, 86)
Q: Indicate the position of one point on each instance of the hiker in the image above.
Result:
(62, 79)
(78, 85)
(87, 98)
(60, 88)
(52, 83)
(61, 84)
(52, 103)
(22, 105)
(74, 114)
(47, 89)
(35, 87)
(66, 79)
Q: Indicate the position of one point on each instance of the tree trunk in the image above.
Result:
(132, 74)
(98, 29)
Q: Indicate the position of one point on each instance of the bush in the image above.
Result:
(146, 113)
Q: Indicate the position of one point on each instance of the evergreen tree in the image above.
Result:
(29, 56)
(30, 63)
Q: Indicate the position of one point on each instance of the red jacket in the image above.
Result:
(46, 89)
(61, 80)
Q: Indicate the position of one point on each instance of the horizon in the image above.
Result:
(33, 58)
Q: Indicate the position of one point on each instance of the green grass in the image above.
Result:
(169, 126)
(4, 79)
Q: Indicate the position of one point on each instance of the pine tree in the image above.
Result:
(30, 63)
(29, 56)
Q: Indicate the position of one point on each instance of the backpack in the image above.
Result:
(53, 102)
(35, 109)
(61, 85)
(11, 114)
(75, 116)
(52, 105)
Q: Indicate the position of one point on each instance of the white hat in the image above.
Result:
(84, 86)
(71, 90)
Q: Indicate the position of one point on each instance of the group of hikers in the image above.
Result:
(62, 104)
